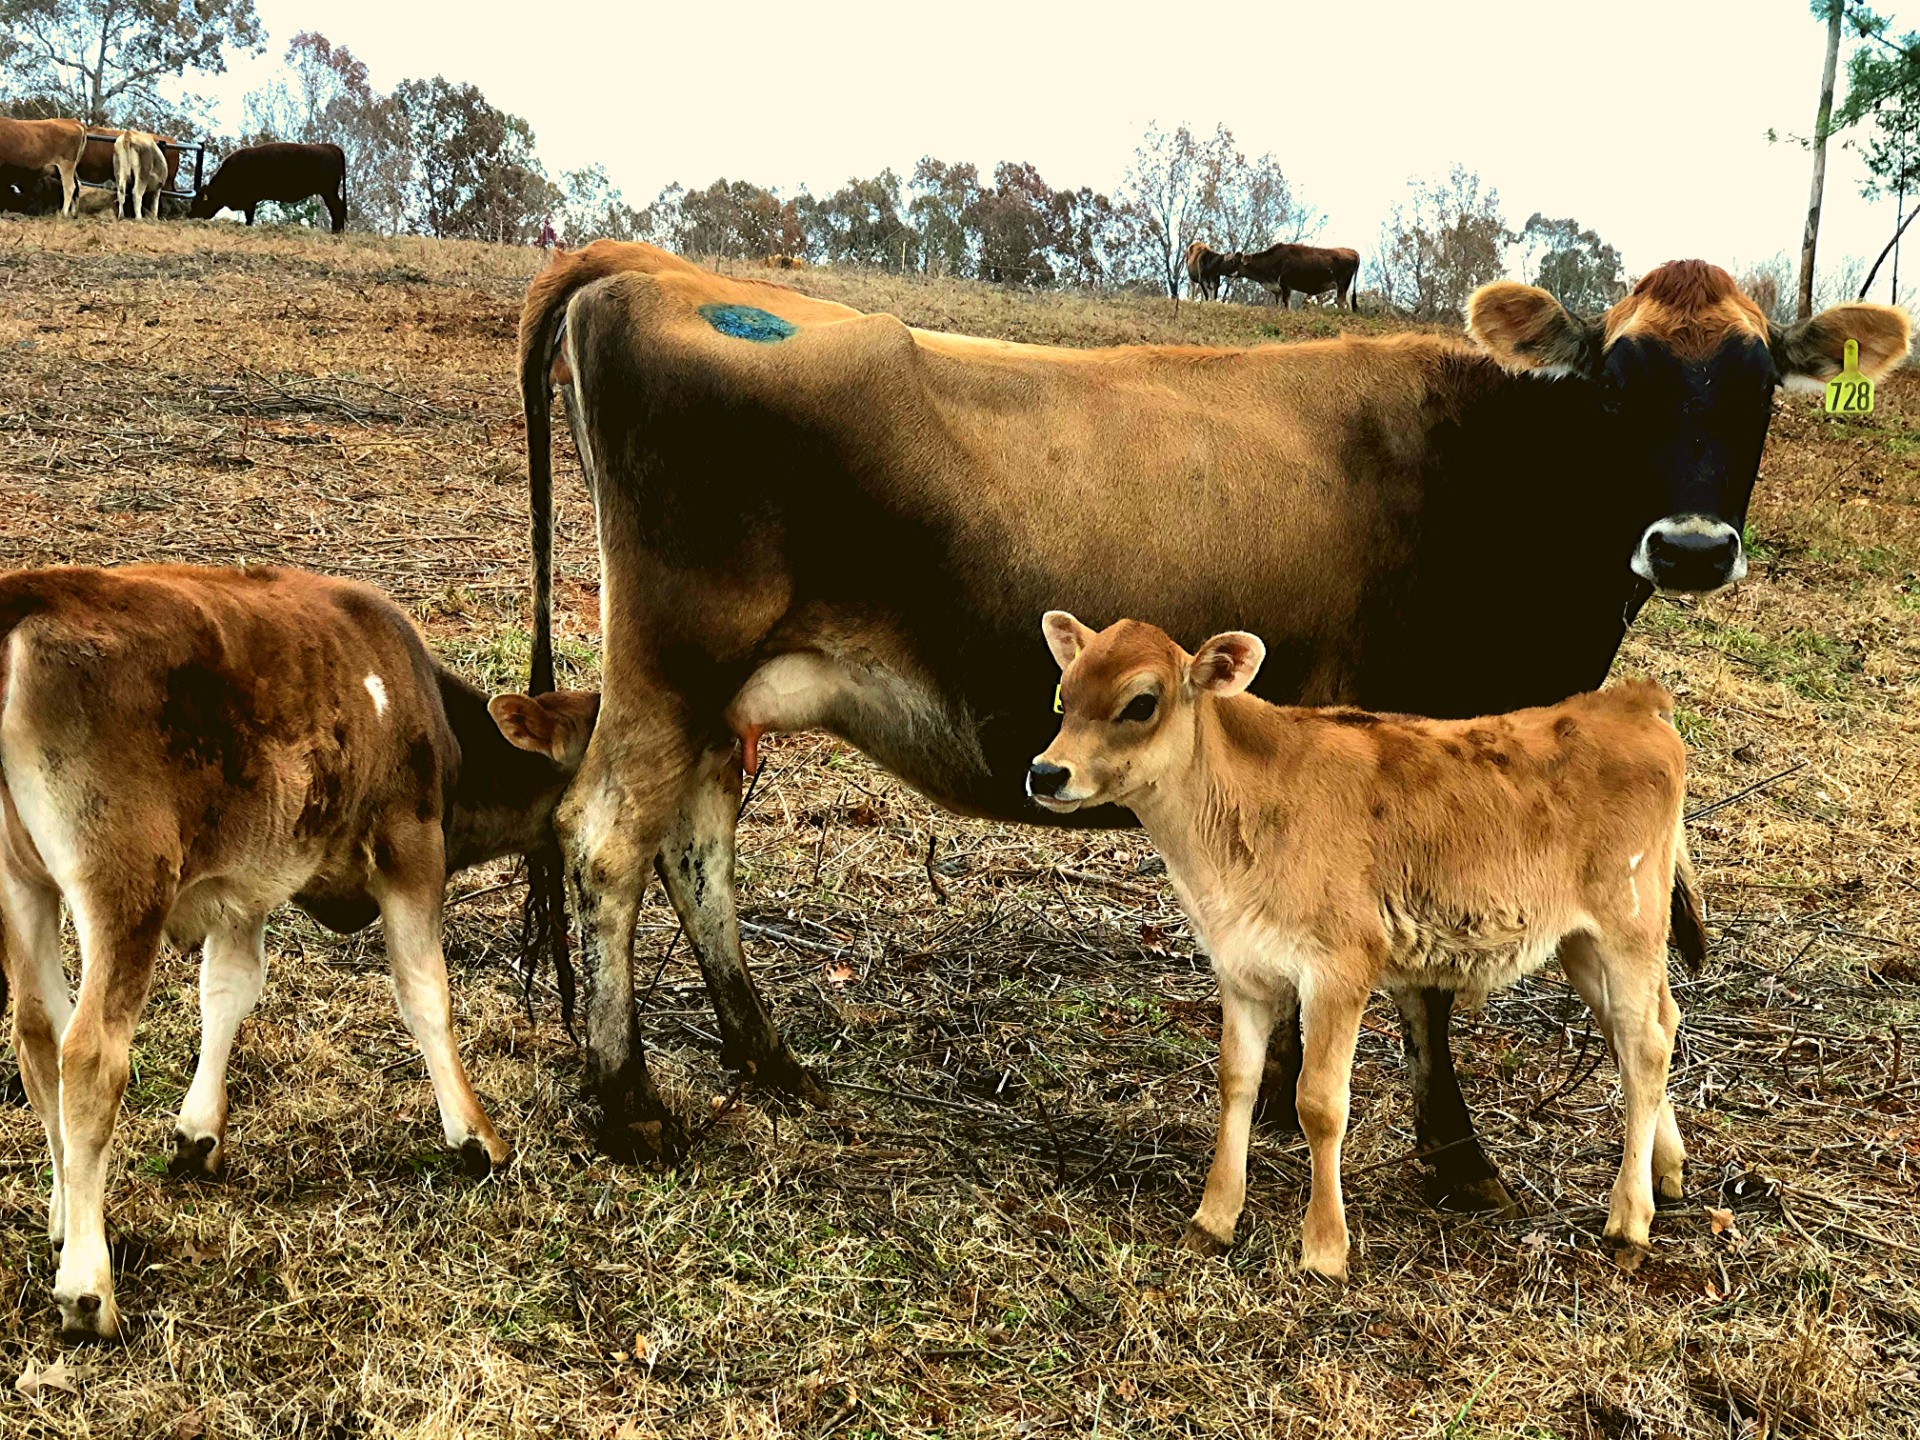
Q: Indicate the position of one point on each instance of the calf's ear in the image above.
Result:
(1811, 353)
(1227, 663)
(1066, 636)
(1526, 330)
(556, 725)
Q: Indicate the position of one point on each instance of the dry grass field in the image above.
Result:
(977, 1240)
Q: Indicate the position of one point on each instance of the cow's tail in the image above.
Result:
(1688, 913)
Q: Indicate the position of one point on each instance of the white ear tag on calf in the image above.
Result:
(1850, 392)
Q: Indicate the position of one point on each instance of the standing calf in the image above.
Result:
(183, 750)
(139, 170)
(1333, 852)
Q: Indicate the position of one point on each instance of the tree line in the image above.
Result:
(435, 157)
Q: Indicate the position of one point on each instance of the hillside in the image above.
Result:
(977, 1241)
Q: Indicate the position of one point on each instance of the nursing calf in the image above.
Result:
(181, 751)
(1328, 853)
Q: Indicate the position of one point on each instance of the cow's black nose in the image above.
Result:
(1692, 556)
(1045, 779)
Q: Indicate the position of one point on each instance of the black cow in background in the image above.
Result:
(282, 172)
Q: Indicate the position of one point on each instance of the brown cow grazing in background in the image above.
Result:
(1310, 269)
(284, 173)
(139, 170)
(1205, 268)
(182, 751)
(1324, 854)
(29, 146)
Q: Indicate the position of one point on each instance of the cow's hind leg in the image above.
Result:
(696, 864)
(610, 823)
(30, 949)
(119, 941)
(1462, 1177)
(233, 968)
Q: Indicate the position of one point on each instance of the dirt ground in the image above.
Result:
(977, 1240)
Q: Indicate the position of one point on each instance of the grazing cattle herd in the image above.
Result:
(812, 518)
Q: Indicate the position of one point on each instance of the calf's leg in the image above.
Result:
(119, 941)
(233, 968)
(1463, 1178)
(1625, 985)
(30, 950)
(411, 912)
(1331, 1018)
(1246, 1019)
(696, 865)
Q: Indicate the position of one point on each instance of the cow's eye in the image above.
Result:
(1141, 707)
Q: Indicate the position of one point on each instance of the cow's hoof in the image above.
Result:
(1201, 1241)
(1668, 1191)
(195, 1159)
(88, 1317)
(784, 1075)
(659, 1141)
(1479, 1194)
(1327, 1270)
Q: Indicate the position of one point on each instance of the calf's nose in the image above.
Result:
(1046, 779)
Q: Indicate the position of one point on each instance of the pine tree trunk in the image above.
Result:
(1825, 117)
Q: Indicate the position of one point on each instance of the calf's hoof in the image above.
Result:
(1629, 1254)
(1668, 1191)
(88, 1317)
(1328, 1269)
(1199, 1240)
(195, 1159)
(475, 1158)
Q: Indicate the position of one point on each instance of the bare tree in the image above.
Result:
(1447, 239)
(1162, 197)
(105, 57)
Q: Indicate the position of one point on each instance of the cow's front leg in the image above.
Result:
(696, 864)
(1462, 1177)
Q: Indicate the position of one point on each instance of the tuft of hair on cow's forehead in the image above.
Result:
(1690, 306)
(1116, 655)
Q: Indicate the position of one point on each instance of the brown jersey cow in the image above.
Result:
(1310, 269)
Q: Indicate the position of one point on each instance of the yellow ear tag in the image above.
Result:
(1850, 392)
(1058, 708)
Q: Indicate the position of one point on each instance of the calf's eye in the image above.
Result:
(1141, 707)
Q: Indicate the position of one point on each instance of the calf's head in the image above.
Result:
(1128, 697)
(1686, 366)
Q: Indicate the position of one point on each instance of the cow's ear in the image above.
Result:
(524, 721)
(1066, 636)
(1811, 353)
(1227, 663)
(1526, 330)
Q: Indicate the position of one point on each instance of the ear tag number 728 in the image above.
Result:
(1850, 392)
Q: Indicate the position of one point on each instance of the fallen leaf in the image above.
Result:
(1125, 1388)
(192, 1254)
(190, 1426)
(640, 1347)
(58, 1377)
(29, 1382)
(838, 974)
(1724, 1224)
(1538, 1241)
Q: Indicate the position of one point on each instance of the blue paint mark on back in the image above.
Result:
(743, 322)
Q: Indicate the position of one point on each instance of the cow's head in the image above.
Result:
(1127, 701)
(1686, 367)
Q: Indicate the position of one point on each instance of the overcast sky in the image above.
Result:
(1644, 119)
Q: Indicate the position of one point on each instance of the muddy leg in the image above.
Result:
(609, 826)
(696, 864)
(118, 945)
(30, 935)
(1245, 1022)
(233, 967)
(411, 913)
(1462, 1178)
